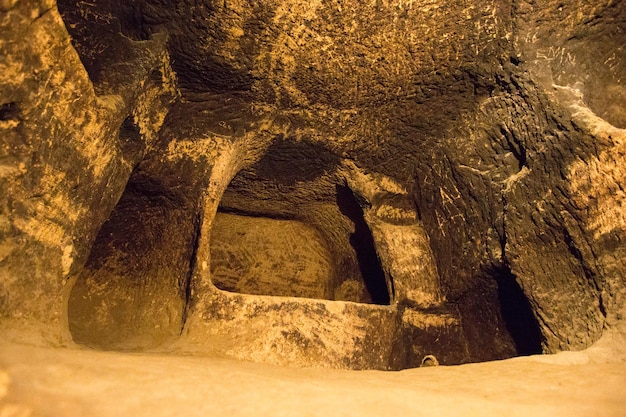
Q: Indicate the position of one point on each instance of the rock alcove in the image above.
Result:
(288, 221)
(345, 184)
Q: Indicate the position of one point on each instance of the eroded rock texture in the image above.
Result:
(433, 178)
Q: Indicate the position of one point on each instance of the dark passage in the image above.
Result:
(517, 314)
(363, 244)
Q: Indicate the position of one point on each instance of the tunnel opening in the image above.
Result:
(497, 317)
(363, 243)
(517, 314)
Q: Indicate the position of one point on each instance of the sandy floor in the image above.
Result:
(38, 381)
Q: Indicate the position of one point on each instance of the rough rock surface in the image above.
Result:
(461, 166)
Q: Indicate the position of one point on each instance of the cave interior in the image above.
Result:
(353, 185)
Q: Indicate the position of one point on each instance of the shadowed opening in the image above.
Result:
(518, 314)
(363, 243)
(9, 111)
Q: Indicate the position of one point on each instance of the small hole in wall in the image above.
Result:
(131, 142)
(9, 111)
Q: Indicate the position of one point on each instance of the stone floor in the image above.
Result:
(36, 381)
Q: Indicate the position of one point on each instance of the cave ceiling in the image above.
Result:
(369, 79)
(380, 82)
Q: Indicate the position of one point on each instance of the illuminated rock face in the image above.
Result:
(347, 184)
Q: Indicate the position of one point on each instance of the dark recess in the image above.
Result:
(9, 111)
(517, 313)
(187, 282)
(131, 142)
(363, 243)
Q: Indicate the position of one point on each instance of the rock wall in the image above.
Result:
(64, 162)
